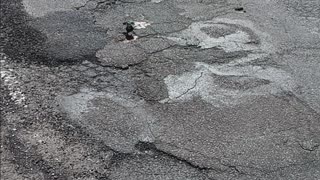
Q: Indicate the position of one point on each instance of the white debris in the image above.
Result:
(141, 25)
(156, 1)
(128, 41)
(9, 79)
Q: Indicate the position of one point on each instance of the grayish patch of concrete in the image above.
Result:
(77, 104)
(237, 41)
(204, 80)
(205, 83)
(118, 121)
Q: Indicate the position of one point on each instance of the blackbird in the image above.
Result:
(129, 26)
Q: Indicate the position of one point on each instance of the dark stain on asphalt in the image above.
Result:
(71, 35)
(20, 41)
(55, 39)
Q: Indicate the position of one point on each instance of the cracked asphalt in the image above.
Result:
(206, 90)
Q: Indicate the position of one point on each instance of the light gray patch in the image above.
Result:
(243, 38)
(120, 122)
(184, 87)
(242, 81)
(77, 104)
(239, 40)
(251, 81)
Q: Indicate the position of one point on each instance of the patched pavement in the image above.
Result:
(213, 89)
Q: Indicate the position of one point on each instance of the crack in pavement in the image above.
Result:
(188, 90)
(143, 146)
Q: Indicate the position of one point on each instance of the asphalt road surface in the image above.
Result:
(205, 90)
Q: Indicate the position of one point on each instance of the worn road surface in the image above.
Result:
(206, 90)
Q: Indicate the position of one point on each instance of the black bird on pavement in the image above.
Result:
(129, 29)
(129, 26)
